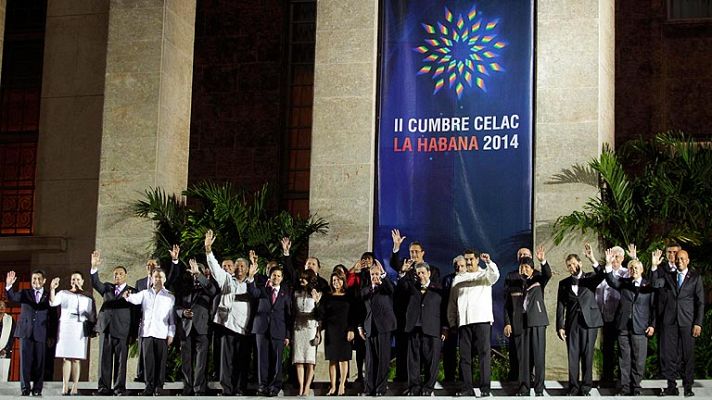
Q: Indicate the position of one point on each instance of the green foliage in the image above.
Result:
(242, 221)
(650, 191)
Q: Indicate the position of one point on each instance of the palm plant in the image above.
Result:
(650, 191)
(242, 221)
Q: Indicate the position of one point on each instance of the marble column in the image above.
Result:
(574, 118)
(69, 141)
(146, 121)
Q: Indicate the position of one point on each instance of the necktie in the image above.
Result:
(679, 280)
(274, 295)
(37, 296)
(116, 292)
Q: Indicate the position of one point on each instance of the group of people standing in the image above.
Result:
(254, 316)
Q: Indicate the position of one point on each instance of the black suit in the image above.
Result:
(195, 294)
(36, 323)
(378, 325)
(450, 344)
(272, 324)
(579, 315)
(525, 312)
(636, 312)
(117, 323)
(423, 325)
(683, 308)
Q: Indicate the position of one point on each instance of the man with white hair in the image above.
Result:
(470, 311)
(608, 300)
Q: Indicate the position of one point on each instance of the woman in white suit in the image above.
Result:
(75, 322)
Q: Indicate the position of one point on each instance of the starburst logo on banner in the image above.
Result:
(462, 51)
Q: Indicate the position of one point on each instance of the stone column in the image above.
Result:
(343, 131)
(67, 174)
(574, 117)
(146, 116)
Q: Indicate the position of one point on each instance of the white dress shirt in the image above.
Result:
(157, 320)
(471, 297)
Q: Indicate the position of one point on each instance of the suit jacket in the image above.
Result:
(117, 317)
(270, 318)
(380, 317)
(583, 306)
(37, 321)
(636, 309)
(173, 272)
(682, 306)
(425, 307)
(291, 277)
(196, 295)
(517, 290)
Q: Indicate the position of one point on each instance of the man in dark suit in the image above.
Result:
(577, 321)
(36, 328)
(680, 322)
(272, 325)
(513, 290)
(291, 275)
(416, 251)
(376, 330)
(117, 325)
(635, 322)
(526, 319)
(194, 295)
(450, 344)
(424, 326)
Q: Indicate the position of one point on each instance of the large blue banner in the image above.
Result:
(455, 130)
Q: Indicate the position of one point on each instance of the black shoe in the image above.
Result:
(624, 392)
(689, 393)
(539, 394)
(139, 379)
(146, 392)
(636, 392)
(585, 393)
(572, 392)
(364, 394)
(669, 391)
(465, 393)
(427, 393)
(159, 392)
(25, 393)
(486, 393)
(36, 393)
(187, 392)
(523, 393)
(379, 394)
(121, 393)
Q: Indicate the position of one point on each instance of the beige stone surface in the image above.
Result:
(69, 142)
(146, 121)
(574, 111)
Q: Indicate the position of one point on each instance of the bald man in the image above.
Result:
(681, 321)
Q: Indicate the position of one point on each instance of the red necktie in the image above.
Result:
(274, 295)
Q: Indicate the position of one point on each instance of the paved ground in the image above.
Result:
(702, 389)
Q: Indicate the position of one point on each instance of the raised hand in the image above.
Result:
(209, 240)
(253, 270)
(609, 256)
(95, 259)
(253, 257)
(540, 254)
(54, 284)
(397, 238)
(174, 252)
(632, 251)
(380, 266)
(485, 257)
(656, 257)
(588, 252)
(10, 278)
(407, 265)
(316, 295)
(286, 245)
(194, 266)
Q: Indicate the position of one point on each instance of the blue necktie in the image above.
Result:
(679, 280)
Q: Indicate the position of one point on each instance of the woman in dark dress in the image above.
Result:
(334, 312)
